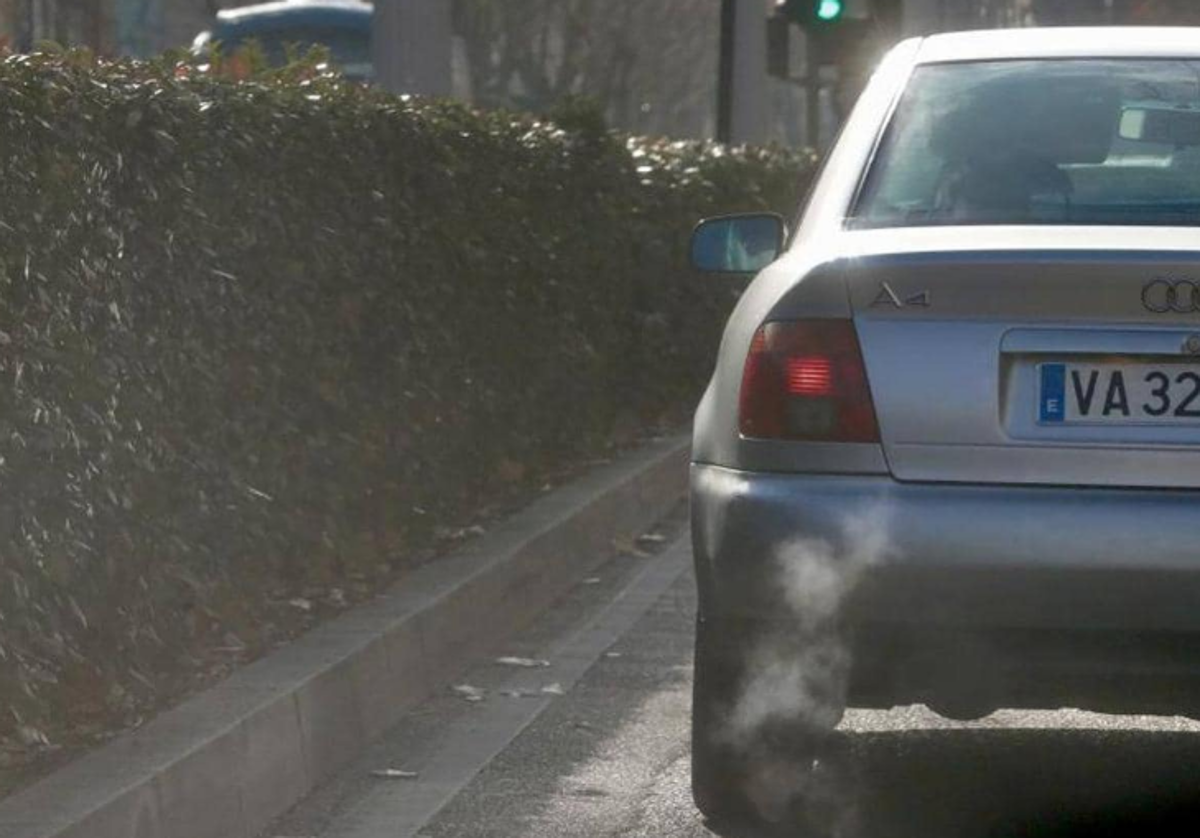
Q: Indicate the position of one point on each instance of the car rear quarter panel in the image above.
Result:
(809, 276)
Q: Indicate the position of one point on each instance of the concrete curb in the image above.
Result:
(227, 762)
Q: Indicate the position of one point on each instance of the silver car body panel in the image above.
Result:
(746, 523)
(800, 272)
(987, 596)
(954, 383)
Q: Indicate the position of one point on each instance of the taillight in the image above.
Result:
(805, 380)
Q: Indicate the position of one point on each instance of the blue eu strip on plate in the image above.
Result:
(1052, 406)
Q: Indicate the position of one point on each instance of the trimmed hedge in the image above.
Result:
(260, 334)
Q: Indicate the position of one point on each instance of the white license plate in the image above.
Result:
(1134, 394)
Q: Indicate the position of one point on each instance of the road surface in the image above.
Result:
(596, 745)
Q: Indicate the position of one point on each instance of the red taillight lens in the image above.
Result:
(810, 375)
(805, 380)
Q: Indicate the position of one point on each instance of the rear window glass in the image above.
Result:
(349, 48)
(1040, 142)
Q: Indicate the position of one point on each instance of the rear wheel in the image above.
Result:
(717, 766)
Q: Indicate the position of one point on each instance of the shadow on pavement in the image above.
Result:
(1010, 784)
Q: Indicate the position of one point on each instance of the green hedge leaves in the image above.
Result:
(255, 334)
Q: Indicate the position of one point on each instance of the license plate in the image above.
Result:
(1132, 394)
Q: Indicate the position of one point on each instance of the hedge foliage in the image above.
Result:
(255, 333)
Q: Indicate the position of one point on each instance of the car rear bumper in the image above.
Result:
(1017, 557)
(1041, 591)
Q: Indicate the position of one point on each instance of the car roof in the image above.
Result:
(1062, 42)
(296, 13)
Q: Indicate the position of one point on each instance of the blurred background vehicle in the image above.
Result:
(341, 26)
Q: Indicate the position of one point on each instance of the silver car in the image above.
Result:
(950, 453)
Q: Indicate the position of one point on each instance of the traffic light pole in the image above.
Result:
(742, 81)
(829, 28)
(812, 90)
(411, 46)
(725, 72)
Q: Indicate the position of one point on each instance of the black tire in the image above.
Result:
(718, 770)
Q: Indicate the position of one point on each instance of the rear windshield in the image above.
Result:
(349, 48)
(1040, 142)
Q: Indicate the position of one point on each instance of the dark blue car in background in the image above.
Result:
(343, 26)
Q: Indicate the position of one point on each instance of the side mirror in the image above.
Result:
(738, 244)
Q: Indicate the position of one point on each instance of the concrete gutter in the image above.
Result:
(227, 762)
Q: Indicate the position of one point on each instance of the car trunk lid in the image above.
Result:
(974, 337)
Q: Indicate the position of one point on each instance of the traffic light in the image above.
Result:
(846, 34)
(829, 11)
(813, 14)
(836, 28)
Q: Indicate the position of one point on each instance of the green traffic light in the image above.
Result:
(829, 10)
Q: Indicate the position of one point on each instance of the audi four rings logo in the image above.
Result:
(1181, 296)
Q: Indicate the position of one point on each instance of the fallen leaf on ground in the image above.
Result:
(394, 774)
(524, 663)
(626, 547)
(468, 692)
(30, 735)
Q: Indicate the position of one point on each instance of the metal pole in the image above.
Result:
(725, 72)
(37, 24)
(812, 91)
(411, 46)
(748, 122)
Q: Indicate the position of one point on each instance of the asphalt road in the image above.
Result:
(596, 744)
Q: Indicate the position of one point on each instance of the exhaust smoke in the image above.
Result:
(793, 692)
